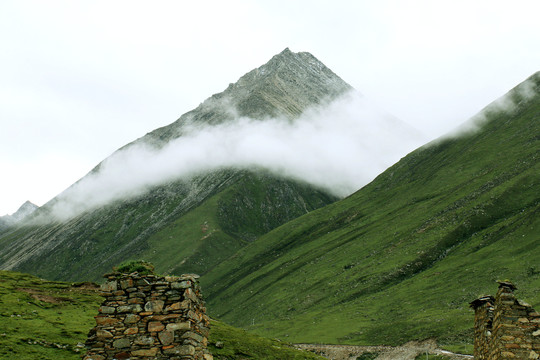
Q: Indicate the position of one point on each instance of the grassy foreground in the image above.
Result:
(42, 319)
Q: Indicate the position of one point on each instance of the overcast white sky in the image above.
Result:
(79, 79)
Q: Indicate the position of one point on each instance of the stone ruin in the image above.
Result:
(150, 317)
(505, 327)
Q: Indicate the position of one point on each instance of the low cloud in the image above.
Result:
(509, 103)
(339, 147)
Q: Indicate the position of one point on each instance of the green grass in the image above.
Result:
(237, 343)
(42, 319)
(431, 357)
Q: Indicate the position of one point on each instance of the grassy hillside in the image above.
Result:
(42, 319)
(401, 258)
(187, 225)
(45, 320)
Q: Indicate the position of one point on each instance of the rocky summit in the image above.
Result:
(285, 86)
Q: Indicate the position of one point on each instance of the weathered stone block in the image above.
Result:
(174, 306)
(190, 294)
(94, 357)
(121, 343)
(180, 350)
(155, 326)
(192, 335)
(134, 308)
(145, 352)
(126, 283)
(154, 306)
(136, 301)
(131, 319)
(193, 316)
(105, 320)
(137, 294)
(204, 331)
(107, 310)
(124, 355)
(103, 334)
(144, 340)
(179, 326)
(181, 285)
(166, 337)
(131, 331)
(109, 286)
(163, 317)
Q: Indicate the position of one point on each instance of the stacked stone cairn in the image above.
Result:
(150, 317)
(505, 327)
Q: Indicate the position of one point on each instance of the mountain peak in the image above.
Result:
(302, 66)
(285, 56)
(285, 52)
(26, 209)
(285, 86)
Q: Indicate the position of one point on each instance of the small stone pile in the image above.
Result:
(150, 317)
(505, 327)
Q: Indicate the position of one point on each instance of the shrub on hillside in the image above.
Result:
(140, 266)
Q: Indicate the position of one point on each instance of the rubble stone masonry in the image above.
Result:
(504, 327)
(150, 317)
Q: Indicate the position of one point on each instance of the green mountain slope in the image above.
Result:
(401, 258)
(46, 320)
(192, 223)
(184, 226)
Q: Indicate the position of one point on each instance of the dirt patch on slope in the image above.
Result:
(41, 296)
(87, 285)
(408, 351)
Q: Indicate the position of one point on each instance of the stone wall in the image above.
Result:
(150, 317)
(504, 327)
(483, 323)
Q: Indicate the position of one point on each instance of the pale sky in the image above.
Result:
(79, 79)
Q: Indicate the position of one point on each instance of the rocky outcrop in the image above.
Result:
(150, 317)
